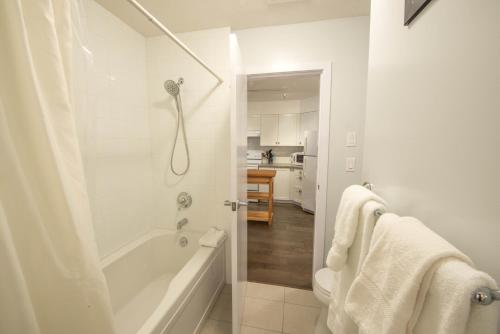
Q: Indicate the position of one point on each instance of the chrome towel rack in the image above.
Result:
(378, 212)
(485, 296)
(480, 296)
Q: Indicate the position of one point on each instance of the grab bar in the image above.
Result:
(480, 296)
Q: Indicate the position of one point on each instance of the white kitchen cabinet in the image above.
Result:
(308, 122)
(296, 185)
(269, 130)
(279, 130)
(281, 184)
(287, 131)
(253, 126)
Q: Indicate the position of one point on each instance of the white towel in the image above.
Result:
(346, 223)
(338, 321)
(448, 308)
(213, 238)
(388, 294)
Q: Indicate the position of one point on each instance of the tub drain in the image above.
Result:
(183, 242)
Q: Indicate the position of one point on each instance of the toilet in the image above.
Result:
(322, 287)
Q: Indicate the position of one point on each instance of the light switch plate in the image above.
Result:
(350, 140)
(350, 164)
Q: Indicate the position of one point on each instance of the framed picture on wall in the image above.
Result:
(413, 8)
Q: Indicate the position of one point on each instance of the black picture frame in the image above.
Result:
(413, 8)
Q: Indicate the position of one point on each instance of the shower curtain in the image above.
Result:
(50, 281)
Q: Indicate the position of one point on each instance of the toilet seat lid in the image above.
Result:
(324, 279)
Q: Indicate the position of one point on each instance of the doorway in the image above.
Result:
(288, 127)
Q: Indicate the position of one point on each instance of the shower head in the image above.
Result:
(171, 87)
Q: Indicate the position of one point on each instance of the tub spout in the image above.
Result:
(181, 223)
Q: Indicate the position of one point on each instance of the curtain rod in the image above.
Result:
(170, 35)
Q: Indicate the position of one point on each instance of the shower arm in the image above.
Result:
(174, 39)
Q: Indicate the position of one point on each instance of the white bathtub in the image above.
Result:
(159, 287)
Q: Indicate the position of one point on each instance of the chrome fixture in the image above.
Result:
(183, 242)
(181, 223)
(368, 185)
(184, 200)
(485, 296)
(173, 88)
(378, 212)
(235, 205)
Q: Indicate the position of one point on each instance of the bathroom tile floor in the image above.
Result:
(269, 309)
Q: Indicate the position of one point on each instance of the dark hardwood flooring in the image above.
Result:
(281, 254)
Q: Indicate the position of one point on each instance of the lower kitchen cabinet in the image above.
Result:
(287, 184)
(281, 184)
(296, 185)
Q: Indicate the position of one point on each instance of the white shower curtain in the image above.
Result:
(50, 278)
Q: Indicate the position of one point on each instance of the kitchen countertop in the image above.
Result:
(279, 165)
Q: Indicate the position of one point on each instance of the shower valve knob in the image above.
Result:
(184, 200)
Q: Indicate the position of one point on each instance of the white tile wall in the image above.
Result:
(117, 137)
(206, 112)
(129, 127)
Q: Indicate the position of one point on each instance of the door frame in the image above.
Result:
(325, 72)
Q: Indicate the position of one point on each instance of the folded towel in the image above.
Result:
(388, 294)
(213, 238)
(338, 321)
(447, 307)
(346, 223)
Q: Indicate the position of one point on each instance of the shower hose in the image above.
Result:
(180, 122)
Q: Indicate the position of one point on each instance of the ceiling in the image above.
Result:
(190, 15)
(295, 87)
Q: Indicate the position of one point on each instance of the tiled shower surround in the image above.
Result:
(128, 124)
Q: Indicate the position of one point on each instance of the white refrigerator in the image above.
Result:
(309, 173)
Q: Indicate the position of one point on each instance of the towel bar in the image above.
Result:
(377, 213)
(485, 296)
(480, 296)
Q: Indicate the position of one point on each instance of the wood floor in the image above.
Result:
(282, 254)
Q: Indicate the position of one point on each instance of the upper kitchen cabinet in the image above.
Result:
(287, 129)
(269, 130)
(279, 130)
(253, 126)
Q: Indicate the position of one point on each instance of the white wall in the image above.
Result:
(433, 117)
(344, 42)
(114, 130)
(206, 112)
